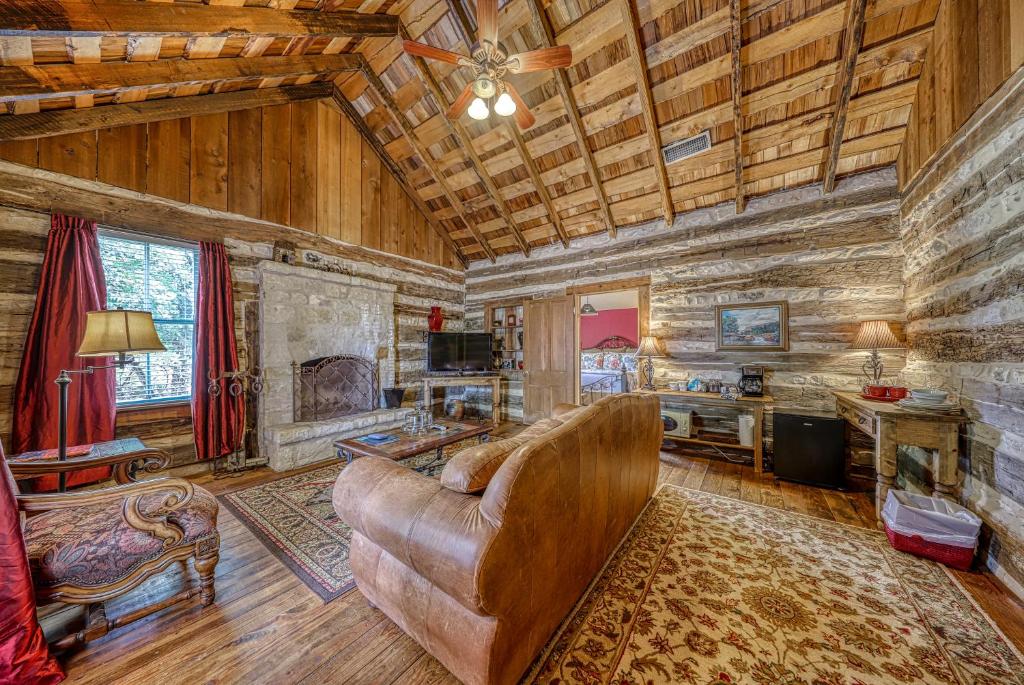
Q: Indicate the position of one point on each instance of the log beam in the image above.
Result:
(643, 86)
(67, 18)
(851, 47)
(547, 33)
(378, 87)
(61, 121)
(735, 14)
(66, 80)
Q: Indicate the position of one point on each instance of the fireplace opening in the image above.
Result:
(329, 387)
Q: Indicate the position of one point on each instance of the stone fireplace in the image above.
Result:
(323, 327)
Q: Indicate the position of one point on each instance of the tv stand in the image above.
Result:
(431, 382)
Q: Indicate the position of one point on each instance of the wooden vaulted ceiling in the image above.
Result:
(792, 92)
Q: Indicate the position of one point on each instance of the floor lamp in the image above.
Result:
(108, 333)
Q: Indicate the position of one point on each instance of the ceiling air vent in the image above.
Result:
(688, 147)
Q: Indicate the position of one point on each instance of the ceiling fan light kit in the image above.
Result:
(491, 63)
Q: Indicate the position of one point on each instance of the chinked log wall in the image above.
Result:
(963, 233)
(28, 195)
(836, 259)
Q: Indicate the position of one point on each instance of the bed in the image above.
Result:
(607, 368)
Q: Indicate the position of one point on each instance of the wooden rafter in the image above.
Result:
(60, 121)
(547, 32)
(851, 46)
(28, 82)
(353, 116)
(467, 146)
(65, 18)
(736, 37)
(643, 86)
(398, 116)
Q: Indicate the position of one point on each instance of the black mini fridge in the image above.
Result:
(809, 448)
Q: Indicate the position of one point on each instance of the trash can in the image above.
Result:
(746, 430)
(931, 527)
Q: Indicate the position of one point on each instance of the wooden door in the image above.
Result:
(549, 355)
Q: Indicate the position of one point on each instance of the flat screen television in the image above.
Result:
(459, 352)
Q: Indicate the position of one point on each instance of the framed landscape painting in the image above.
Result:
(759, 326)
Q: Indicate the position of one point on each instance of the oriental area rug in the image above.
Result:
(294, 519)
(708, 590)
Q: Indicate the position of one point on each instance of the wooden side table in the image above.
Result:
(891, 426)
(431, 382)
(128, 456)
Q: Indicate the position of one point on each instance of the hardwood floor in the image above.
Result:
(267, 627)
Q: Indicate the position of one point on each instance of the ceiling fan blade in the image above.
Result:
(461, 103)
(487, 21)
(523, 116)
(546, 58)
(430, 52)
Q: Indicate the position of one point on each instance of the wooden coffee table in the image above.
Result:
(410, 445)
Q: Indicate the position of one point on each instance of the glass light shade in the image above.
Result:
(119, 331)
(650, 346)
(505, 106)
(876, 335)
(484, 87)
(478, 109)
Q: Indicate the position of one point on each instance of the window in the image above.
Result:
(157, 277)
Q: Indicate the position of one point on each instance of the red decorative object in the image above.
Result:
(436, 319)
(880, 399)
(71, 284)
(957, 557)
(24, 657)
(217, 422)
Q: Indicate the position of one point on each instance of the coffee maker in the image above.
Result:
(752, 381)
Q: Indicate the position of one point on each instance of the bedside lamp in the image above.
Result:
(875, 336)
(108, 333)
(650, 347)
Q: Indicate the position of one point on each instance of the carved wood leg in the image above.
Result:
(946, 464)
(885, 464)
(206, 567)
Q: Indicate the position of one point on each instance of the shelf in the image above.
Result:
(711, 443)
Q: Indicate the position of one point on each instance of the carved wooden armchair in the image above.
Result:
(90, 546)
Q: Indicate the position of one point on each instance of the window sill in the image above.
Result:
(152, 406)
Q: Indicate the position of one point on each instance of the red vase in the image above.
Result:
(435, 320)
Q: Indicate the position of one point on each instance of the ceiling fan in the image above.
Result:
(490, 63)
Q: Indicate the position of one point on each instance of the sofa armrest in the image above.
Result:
(439, 533)
(563, 408)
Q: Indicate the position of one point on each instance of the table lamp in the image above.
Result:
(650, 347)
(109, 332)
(875, 336)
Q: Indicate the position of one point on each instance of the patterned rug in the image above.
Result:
(708, 590)
(293, 517)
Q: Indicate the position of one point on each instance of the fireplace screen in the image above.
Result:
(329, 387)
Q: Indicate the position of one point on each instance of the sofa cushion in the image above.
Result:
(471, 469)
(93, 545)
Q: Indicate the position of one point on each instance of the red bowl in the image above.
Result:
(875, 390)
(897, 393)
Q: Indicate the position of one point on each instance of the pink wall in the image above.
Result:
(609, 322)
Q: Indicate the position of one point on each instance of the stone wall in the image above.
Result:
(963, 233)
(837, 260)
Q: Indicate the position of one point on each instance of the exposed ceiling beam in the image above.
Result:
(643, 86)
(65, 18)
(467, 146)
(428, 161)
(547, 34)
(735, 12)
(851, 46)
(35, 81)
(60, 121)
(353, 116)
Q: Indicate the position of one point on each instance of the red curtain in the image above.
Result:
(71, 284)
(217, 421)
(24, 657)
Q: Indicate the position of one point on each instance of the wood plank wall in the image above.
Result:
(974, 46)
(301, 165)
(837, 260)
(962, 225)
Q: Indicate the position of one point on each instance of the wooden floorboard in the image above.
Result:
(268, 627)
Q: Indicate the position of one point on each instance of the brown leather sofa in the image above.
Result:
(482, 566)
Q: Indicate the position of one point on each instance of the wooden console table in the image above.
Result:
(431, 382)
(892, 426)
(753, 405)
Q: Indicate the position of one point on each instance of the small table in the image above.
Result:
(891, 426)
(410, 445)
(127, 456)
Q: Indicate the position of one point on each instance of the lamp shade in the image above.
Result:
(876, 335)
(650, 346)
(119, 331)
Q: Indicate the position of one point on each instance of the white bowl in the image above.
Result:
(929, 394)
